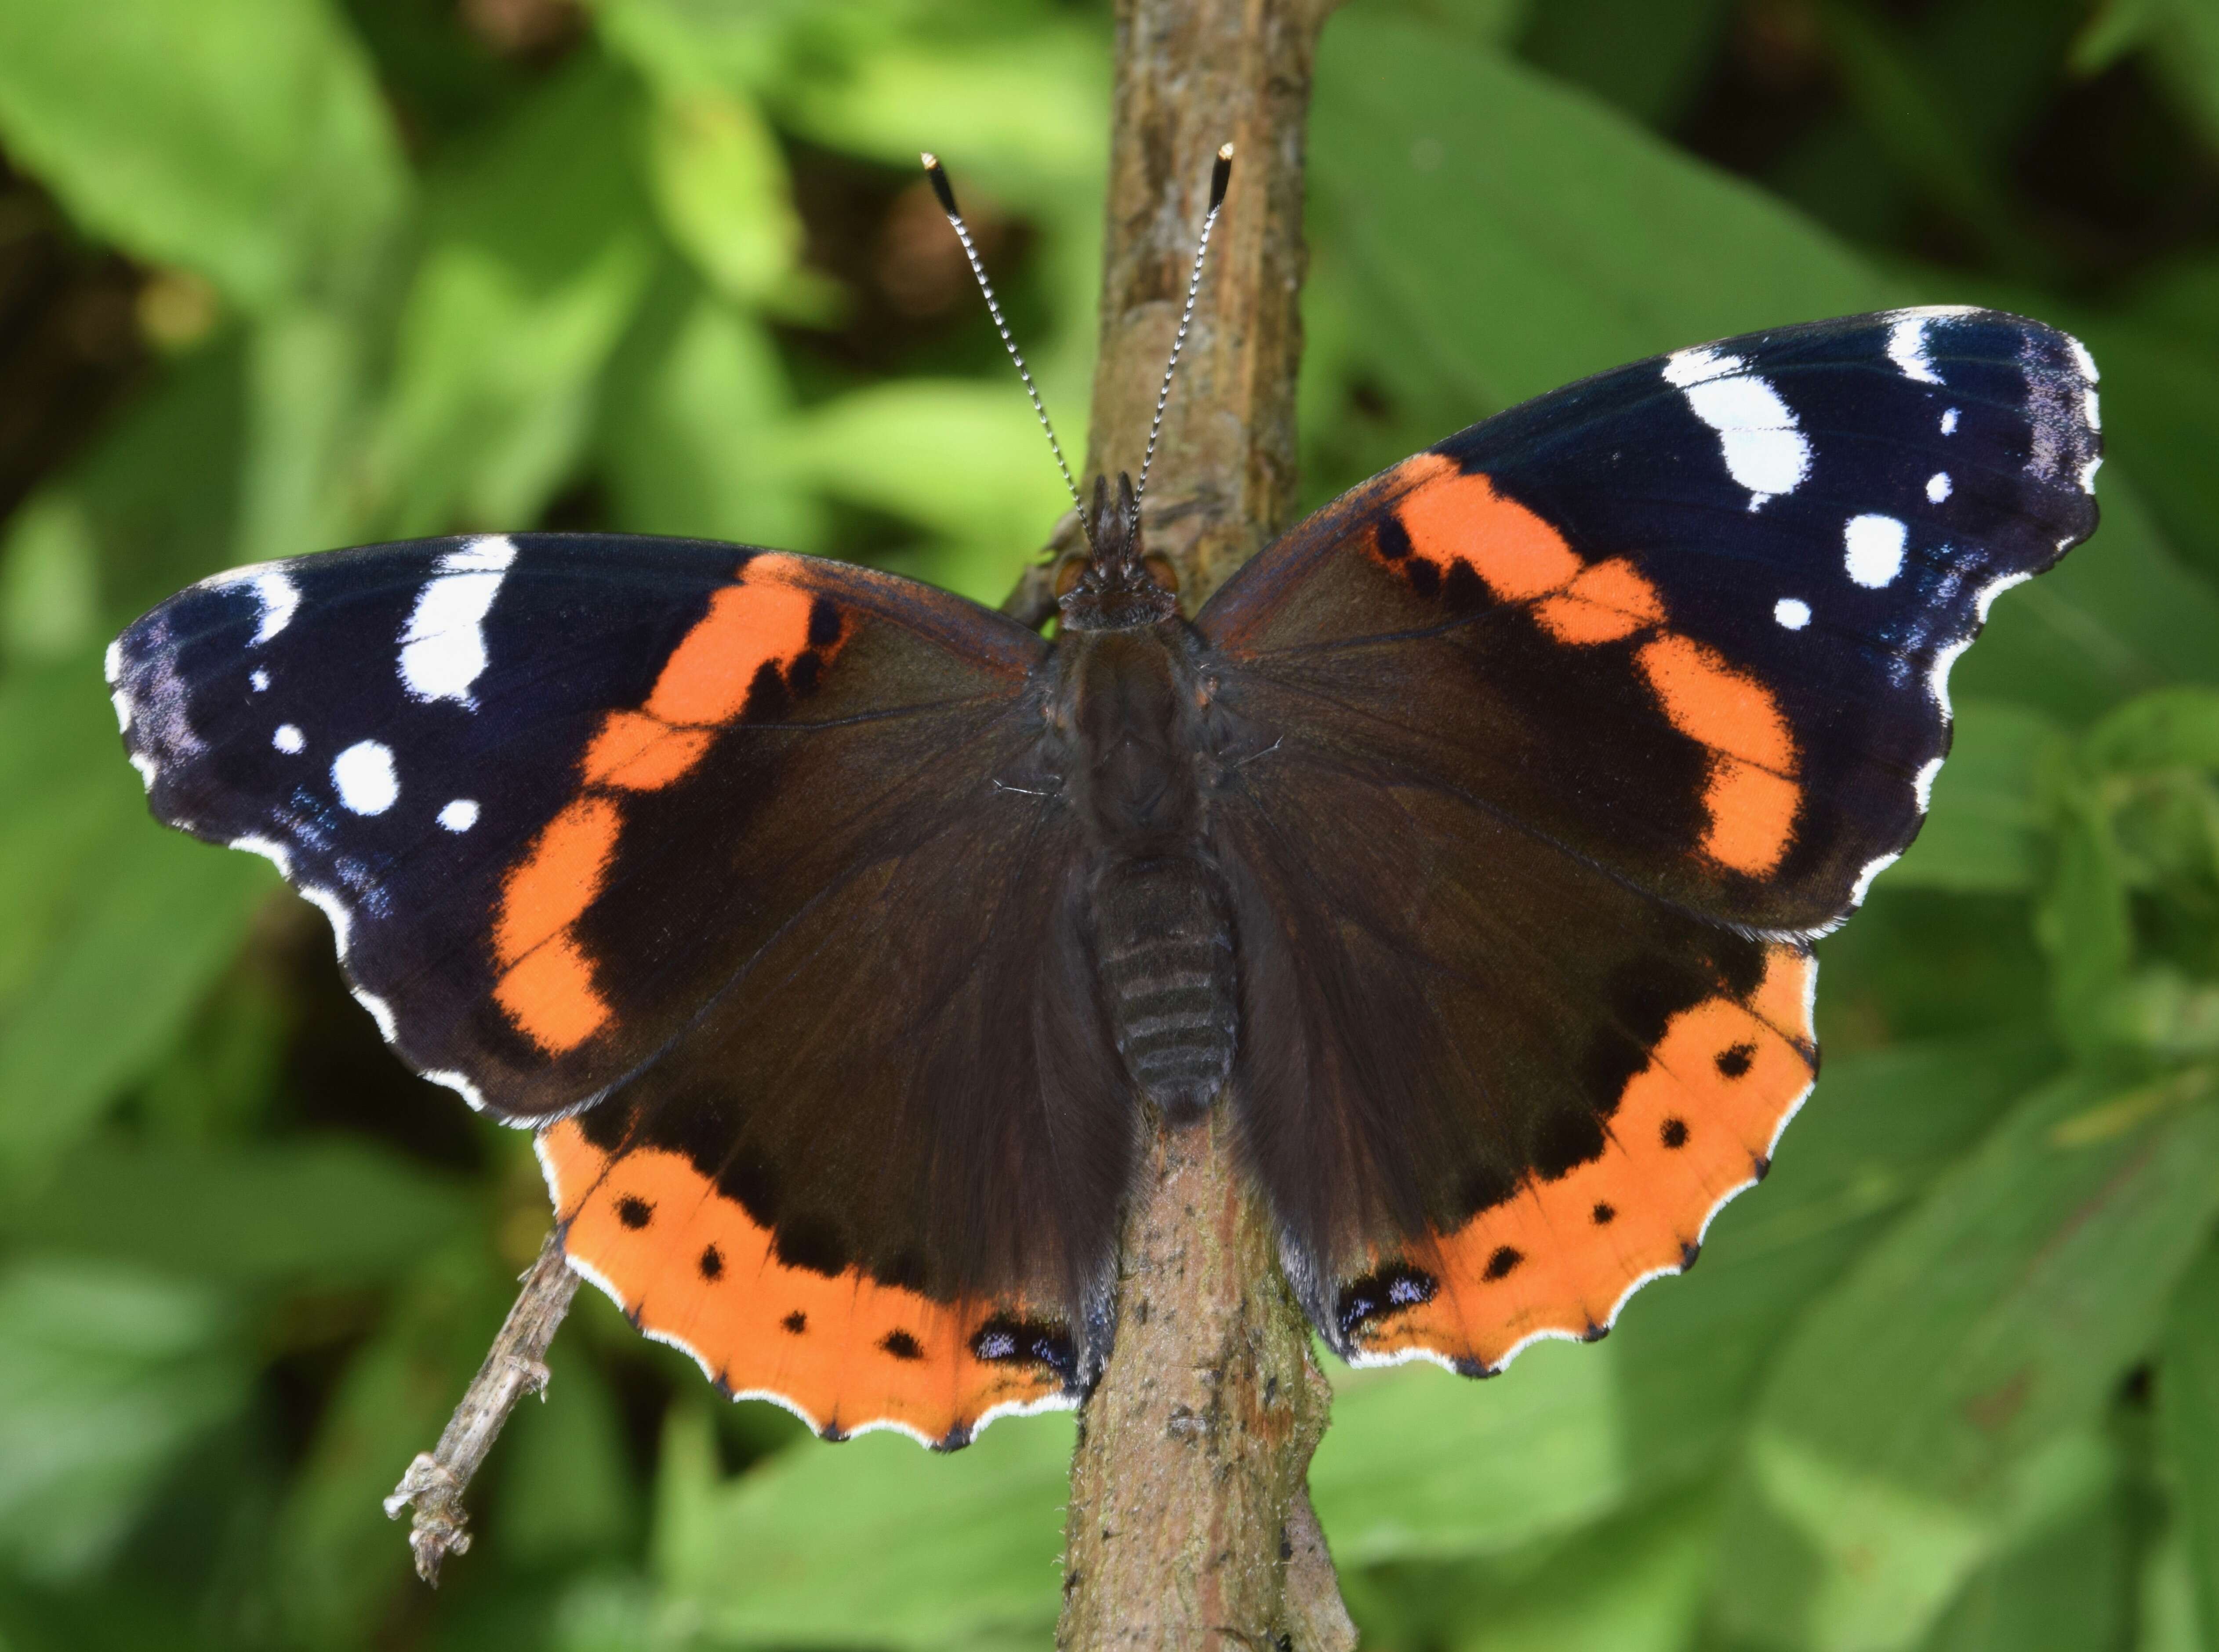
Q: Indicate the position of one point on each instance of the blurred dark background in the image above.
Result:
(281, 275)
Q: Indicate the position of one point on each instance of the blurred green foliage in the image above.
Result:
(276, 275)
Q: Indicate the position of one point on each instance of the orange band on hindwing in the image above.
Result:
(846, 1353)
(767, 621)
(1695, 1125)
(1753, 793)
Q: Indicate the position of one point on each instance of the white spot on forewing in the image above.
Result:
(147, 771)
(121, 702)
(257, 680)
(460, 815)
(1938, 487)
(111, 663)
(1949, 422)
(289, 739)
(1922, 783)
(1793, 612)
(443, 644)
(1872, 548)
(1907, 348)
(1763, 445)
(363, 774)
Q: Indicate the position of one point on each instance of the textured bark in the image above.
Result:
(1190, 1523)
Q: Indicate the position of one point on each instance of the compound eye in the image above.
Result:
(1067, 574)
(1161, 571)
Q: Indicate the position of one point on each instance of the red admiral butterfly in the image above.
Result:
(1468, 845)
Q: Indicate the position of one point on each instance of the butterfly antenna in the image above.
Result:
(946, 192)
(1221, 175)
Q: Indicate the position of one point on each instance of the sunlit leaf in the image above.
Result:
(337, 1557)
(2188, 1394)
(1989, 824)
(542, 253)
(1419, 1462)
(244, 138)
(871, 1543)
(329, 1213)
(111, 929)
(1923, 1417)
(694, 427)
(566, 1488)
(106, 1375)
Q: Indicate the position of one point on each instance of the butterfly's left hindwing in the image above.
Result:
(706, 845)
(1618, 699)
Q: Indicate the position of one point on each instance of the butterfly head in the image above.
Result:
(1117, 586)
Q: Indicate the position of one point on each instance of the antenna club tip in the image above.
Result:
(1220, 176)
(940, 187)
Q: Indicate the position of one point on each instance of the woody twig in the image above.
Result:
(516, 1366)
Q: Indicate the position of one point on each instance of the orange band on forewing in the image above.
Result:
(846, 1351)
(546, 985)
(1692, 1128)
(635, 752)
(1751, 796)
(1752, 814)
(1607, 602)
(1455, 516)
(551, 887)
(762, 621)
(1708, 700)
(550, 996)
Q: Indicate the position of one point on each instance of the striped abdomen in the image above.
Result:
(1164, 951)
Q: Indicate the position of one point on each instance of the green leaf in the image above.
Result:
(541, 255)
(2063, 1586)
(1645, 56)
(2188, 1396)
(1988, 829)
(106, 1376)
(329, 1213)
(566, 1488)
(1420, 1464)
(873, 1542)
(721, 187)
(337, 1559)
(1635, 1587)
(1925, 1417)
(307, 417)
(155, 502)
(243, 139)
(2171, 728)
(696, 408)
(1464, 190)
(2087, 925)
(112, 929)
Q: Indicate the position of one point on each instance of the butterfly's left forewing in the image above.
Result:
(691, 855)
(1589, 720)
